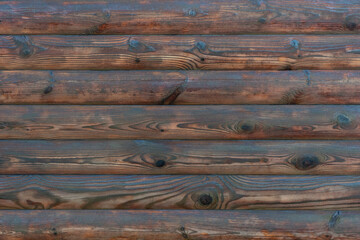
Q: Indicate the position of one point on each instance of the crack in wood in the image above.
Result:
(334, 219)
(171, 98)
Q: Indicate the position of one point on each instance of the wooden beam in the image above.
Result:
(179, 87)
(178, 17)
(264, 52)
(179, 157)
(179, 192)
(179, 225)
(180, 122)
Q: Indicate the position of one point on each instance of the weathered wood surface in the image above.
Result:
(179, 157)
(178, 16)
(179, 192)
(179, 87)
(179, 225)
(281, 52)
(180, 122)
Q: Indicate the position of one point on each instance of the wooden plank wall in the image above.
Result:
(183, 119)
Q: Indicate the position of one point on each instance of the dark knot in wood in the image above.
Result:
(351, 26)
(246, 127)
(48, 89)
(344, 122)
(25, 45)
(295, 44)
(262, 20)
(25, 52)
(205, 199)
(160, 163)
(191, 13)
(201, 45)
(54, 231)
(351, 22)
(139, 47)
(306, 162)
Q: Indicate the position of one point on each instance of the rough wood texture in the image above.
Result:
(180, 52)
(180, 87)
(179, 157)
(180, 122)
(179, 225)
(178, 16)
(179, 192)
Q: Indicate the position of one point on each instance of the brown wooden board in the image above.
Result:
(179, 225)
(201, 192)
(244, 52)
(178, 16)
(179, 157)
(180, 122)
(179, 87)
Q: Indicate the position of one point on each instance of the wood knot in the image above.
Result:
(25, 45)
(48, 89)
(139, 47)
(246, 127)
(306, 162)
(295, 44)
(54, 231)
(201, 45)
(160, 163)
(351, 22)
(191, 12)
(25, 52)
(262, 20)
(157, 159)
(183, 232)
(351, 26)
(344, 122)
(205, 199)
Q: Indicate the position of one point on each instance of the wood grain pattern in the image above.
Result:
(180, 122)
(179, 192)
(281, 52)
(178, 16)
(179, 225)
(179, 87)
(179, 157)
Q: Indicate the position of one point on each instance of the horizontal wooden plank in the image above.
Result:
(180, 52)
(178, 16)
(179, 192)
(179, 225)
(179, 157)
(179, 87)
(180, 122)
